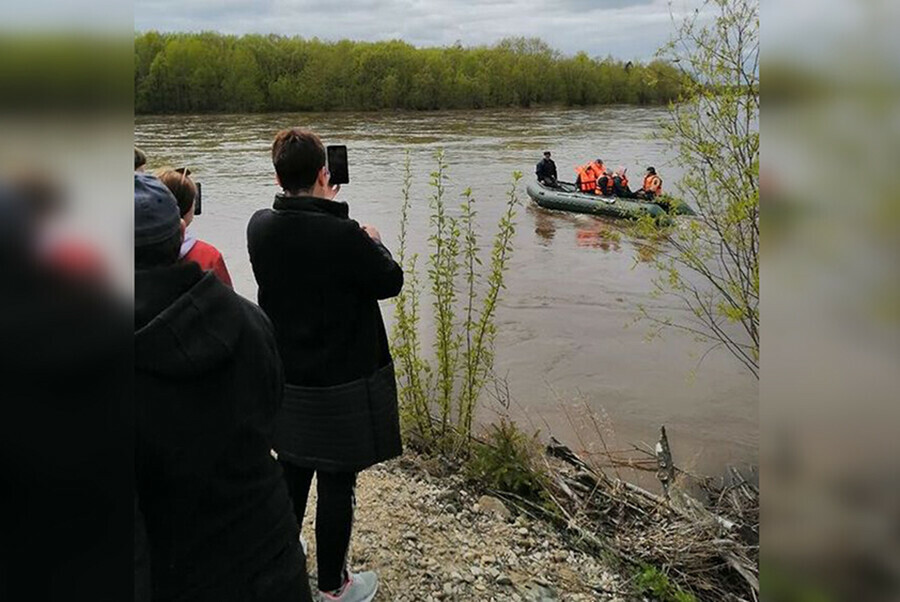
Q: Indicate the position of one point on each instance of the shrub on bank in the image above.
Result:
(438, 395)
(507, 460)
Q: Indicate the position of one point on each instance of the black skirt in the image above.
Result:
(343, 428)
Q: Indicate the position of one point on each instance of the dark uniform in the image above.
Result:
(546, 171)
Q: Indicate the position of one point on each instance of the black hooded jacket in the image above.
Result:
(208, 384)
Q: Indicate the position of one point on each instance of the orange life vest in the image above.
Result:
(653, 183)
(605, 185)
(587, 176)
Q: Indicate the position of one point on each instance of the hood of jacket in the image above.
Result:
(311, 204)
(186, 321)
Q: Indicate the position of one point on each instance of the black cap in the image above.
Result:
(599, 160)
(651, 170)
(156, 216)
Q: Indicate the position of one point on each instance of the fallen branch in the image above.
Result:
(700, 547)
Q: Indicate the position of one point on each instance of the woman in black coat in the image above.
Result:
(320, 277)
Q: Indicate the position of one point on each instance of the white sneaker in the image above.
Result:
(360, 587)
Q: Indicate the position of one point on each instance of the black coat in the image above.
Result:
(545, 168)
(320, 278)
(66, 468)
(620, 189)
(208, 385)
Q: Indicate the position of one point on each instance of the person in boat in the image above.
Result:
(546, 170)
(605, 183)
(652, 186)
(620, 184)
(588, 174)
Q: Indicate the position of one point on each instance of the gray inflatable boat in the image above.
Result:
(566, 197)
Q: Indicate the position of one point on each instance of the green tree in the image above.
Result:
(390, 91)
(712, 266)
(209, 72)
(241, 88)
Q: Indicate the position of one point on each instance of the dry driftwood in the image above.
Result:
(702, 548)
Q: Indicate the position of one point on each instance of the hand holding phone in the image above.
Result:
(372, 231)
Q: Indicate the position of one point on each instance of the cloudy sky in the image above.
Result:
(626, 29)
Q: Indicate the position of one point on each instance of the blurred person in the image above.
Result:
(620, 184)
(143, 584)
(652, 185)
(65, 385)
(60, 249)
(605, 183)
(192, 249)
(587, 175)
(140, 159)
(320, 277)
(208, 384)
(545, 170)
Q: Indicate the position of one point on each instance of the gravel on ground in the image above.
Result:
(431, 538)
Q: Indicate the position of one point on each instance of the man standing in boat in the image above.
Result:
(546, 170)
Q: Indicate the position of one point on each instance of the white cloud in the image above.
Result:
(626, 29)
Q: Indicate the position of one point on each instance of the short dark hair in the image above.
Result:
(298, 155)
(159, 254)
(546, 153)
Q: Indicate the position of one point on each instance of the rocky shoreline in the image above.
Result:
(432, 538)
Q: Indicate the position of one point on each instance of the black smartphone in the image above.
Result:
(198, 202)
(337, 164)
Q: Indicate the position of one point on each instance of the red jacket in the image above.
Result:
(209, 259)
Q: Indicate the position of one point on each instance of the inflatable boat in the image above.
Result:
(566, 197)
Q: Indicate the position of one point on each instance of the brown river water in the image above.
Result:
(566, 341)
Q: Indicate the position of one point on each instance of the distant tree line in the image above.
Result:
(209, 72)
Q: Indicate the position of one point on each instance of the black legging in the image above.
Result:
(334, 517)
